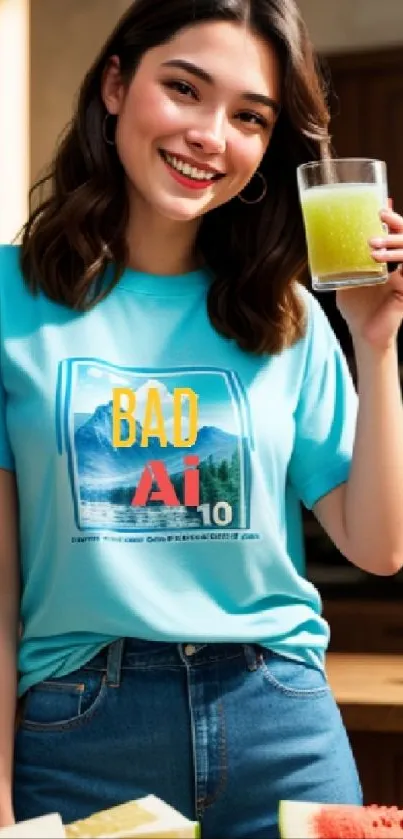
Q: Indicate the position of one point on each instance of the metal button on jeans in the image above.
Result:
(190, 649)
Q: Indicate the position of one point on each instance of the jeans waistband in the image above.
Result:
(132, 653)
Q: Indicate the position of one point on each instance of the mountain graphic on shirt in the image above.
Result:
(102, 466)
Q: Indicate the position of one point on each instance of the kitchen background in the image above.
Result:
(45, 48)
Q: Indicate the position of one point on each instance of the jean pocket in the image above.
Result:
(63, 703)
(294, 678)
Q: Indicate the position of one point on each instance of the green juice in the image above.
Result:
(339, 220)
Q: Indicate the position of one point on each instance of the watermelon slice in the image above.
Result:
(309, 820)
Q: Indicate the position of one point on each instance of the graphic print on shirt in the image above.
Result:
(154, 450)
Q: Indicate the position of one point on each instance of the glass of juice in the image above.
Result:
(341, 200)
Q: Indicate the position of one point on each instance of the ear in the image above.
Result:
(112, 87)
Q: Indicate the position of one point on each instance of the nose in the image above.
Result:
(209, 135)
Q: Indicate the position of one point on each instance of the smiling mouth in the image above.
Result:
(193, 173)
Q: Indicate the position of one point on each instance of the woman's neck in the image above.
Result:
(161, 246)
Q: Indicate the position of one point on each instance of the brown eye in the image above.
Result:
(252, 118)
(181, 87)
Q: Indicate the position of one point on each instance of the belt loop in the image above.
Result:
(114, 663)
(253, 659)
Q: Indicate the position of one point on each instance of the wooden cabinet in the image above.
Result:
(365, 626)
(369, 692)
(367, 109)
(379, 760)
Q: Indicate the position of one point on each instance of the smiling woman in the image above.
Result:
(242, 102)
(195, 113)
(170, 394)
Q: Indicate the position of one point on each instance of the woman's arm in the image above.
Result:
(364, 517)
(9, 622)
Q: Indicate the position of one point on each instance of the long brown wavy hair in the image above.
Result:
(256, 253)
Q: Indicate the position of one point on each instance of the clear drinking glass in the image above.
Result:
(340, 201)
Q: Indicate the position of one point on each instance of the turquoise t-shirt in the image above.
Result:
(160, 470)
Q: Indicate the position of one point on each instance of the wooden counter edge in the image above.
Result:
(384, 716)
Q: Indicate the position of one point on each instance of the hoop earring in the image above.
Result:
(107, 140)
(261, 196)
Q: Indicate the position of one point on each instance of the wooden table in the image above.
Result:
(369, 691)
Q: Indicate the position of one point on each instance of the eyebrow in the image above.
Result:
(189, 67)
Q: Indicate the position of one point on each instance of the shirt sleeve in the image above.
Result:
(325, 416)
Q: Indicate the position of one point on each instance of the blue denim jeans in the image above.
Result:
(220, 731)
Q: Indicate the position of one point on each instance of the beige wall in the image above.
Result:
(66, 34)
(14, 116)
(340, 25)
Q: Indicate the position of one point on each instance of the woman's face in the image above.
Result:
(197, 118)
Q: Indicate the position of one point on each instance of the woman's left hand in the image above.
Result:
(375, 313)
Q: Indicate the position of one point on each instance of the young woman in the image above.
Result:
(170, 393)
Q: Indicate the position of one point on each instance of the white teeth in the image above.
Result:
(189, 171)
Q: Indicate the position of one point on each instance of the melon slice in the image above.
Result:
(146, 817)
(310, 820)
